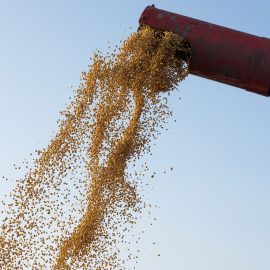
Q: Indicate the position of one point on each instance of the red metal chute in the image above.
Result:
(218, 53)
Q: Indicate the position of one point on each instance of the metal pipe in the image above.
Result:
(218, 53)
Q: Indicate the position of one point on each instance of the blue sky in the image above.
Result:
(214, 205)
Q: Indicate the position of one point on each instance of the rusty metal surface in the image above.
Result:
(219, 53)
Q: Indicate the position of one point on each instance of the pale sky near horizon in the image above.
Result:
(214, 205)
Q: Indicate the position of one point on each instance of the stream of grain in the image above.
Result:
(71, 209)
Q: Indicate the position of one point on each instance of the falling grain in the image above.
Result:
(71, 210)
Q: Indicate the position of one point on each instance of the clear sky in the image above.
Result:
(214, 205)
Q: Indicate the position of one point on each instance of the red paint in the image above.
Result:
(218, 53)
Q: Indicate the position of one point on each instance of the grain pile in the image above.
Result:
(70, 211)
